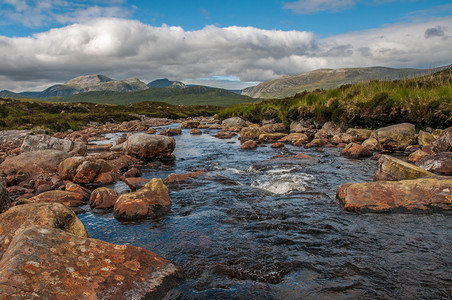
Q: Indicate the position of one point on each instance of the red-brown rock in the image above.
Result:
(149, 201)
(177, 178)
(424, 194)
(277, 145)
(123, 162)
(291, 138)
(171, 131)
(75, 188)
(195, 131)
(190, 124)
(224, 135)
(417, 155)
(107, 178)
(136, 183)
(354, 150)
(5, 201)
(103, 198)
(133, 172)
(439, 163)
(67, 198)
(249, 145)
(444, 142)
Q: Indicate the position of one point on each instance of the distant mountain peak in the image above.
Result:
(88, 80)
(165, 83)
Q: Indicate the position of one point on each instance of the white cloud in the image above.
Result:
(122, 48)
(313, 6)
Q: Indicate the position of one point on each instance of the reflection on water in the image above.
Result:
(260, 228)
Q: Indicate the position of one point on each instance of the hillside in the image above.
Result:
(327, 79)
(195, 95)
(423, 101)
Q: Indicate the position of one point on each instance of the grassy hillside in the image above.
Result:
(28, 114)
(424, 101)
(196, 95)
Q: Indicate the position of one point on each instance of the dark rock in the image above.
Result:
(444, 142)
(439, 163)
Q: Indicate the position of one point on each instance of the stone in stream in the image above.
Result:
(84, 169)
(67, 198)
(177, 178)
(359, 135)
(136, 183)
(142, 145)
(149, 201)
(195, 131)
(371, 144)
(225, 135)
(396, 137)
(354, 150)
(426, 194)
(439, 163)
(103, 198)
(250, 133)
(416, 155)
(394, 169)
(292, 137)
(47, 142)
(444, 142)
(234, 122)
(249, 145)
(171, 131)
(75, 188)
(190, 124)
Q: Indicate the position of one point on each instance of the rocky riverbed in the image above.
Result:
(239, 210)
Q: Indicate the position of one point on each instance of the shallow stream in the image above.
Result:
(255, 227)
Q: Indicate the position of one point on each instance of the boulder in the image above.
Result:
(317, 143)
(328, 130)
(271, 137)
(425, 138)
(142, 145)
(422, 194)
(416, 155)
(13, 138)
(171, 131)
(123, 162)
(75, 188)
(132, 172)
(439, 163)
(67, 198)
(177, 178)
(354, 150)
(47, 142)
(371, 144)
(277, 145)
(149, 201)
(272, 128)
(191, 124)
(45, 215)
(107, 178)
(136, 183)
(36, 162)
(49, 263)
(86, 172)
(84, 169)
(195, 131)
(249, 145)
(444, 142)
(359, 135)
(250, 133)
(294, 137)
(103, 198)
(397, 137)
(233, 122)
(225, 135)
(5, 201)
(393, 169)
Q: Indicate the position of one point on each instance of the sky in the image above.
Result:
(230, 44)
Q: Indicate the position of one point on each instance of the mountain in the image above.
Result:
(287, 86)
(165, 83)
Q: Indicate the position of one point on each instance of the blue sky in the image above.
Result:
(226, 43)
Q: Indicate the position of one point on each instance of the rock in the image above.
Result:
(43, 188)
(329, 129)
(119, 140)
(36, 162)
(195, 131)
(171, 131)
(85, 169)
(47, 142)
(103, 198)
(425, 138)
(397, 137)
(67, 198)
(123, 162)
(371, 144)
(393, 169)
(75, 188)
(277, 145)
(57, 265)
(424, 194)
(13, 138)
(191, 124)
(177, 178)
(412, 148)
(337, 139)
(437, 133)
(151, 130)
(133, 172)
(444, 142)
(301, 137)
(250, 133)
(415, 156)
(271, 137)
(142, 145)
(317, 143)
(136, 183)
(86, 172)
(439, 163)
(272, 128)
(299, 143)
(5, 201)
(249, 145)
(45, 215)
(354, 150)
(359, 135)
(233, 122)
(107, 178)
(99, 148)
(149, 201)
(224, 135)
(347, 139)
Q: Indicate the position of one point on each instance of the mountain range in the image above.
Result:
(287, 86)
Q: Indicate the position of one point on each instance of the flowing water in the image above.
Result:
(254, 227)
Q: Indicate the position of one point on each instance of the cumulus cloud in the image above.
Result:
(122, 48)
(435, 31)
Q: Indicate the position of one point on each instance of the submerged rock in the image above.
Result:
(397, 137)
(149, 201)
(394, 169)
(439, 163)
(424, 194)
(177, 178)
(142, 145)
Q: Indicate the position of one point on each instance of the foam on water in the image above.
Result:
(283, 183)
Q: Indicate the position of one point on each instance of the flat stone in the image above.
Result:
(394, 169)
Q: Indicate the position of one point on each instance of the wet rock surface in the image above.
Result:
(393, 169)
(142, 145)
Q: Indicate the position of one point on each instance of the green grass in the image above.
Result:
(424, 101)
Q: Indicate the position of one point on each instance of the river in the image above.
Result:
(255, 227)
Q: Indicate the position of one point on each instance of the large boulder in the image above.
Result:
(397, 137)
(67, 198)
(5, 201)
(358, 134)
(149, 201)
(84, 169)
(142, 145)
(272, 128)
(423, 194)
(190, 124)
(103, 198)
(439, 163)
(292, 137)
(250, 133)
(234, 122)
(425, 138)
(354, 150)
(36, 162)
(13, 138)
(393, 169)
(48, 263)
(444, 142)
(47, 142)
(45, 215)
